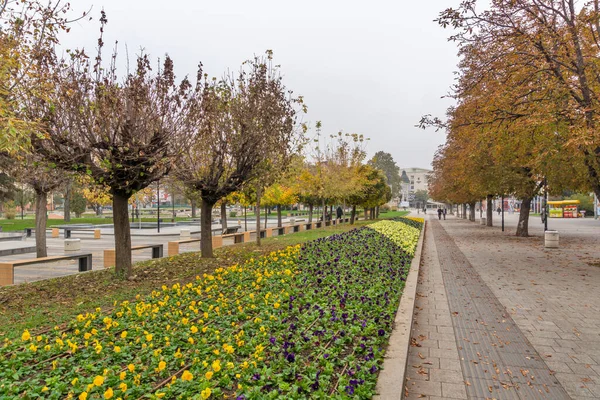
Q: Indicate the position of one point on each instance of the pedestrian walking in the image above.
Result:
(339, 212)
(499, 210)
(445, 211)
(440, 212)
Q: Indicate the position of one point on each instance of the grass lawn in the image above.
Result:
(393, 214)
(51, 302)
(20, 224)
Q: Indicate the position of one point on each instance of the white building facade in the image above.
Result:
(414, 179)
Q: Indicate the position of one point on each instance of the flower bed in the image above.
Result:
(304, 322)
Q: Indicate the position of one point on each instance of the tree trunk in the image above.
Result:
(324, 209)
(266, 217)
(193, 208)
(523, 226)
(331, 213)
(366, 213)
(223, 216)
(258, 216)
(206, 246)
(122, 235)
(67, 203)
(464, 211)
(278, 215)
(310, 213)
(353, 215)
(245, 219)
(472, 211)
(489, 211)
(377, 212)
(40, 224)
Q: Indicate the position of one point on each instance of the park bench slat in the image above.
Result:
(7, 273)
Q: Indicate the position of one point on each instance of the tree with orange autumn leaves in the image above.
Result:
(526, 108)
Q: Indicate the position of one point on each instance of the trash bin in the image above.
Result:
(551, 239)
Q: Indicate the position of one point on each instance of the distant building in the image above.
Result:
(413, 179)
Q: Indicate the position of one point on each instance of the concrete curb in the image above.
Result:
(390, 384)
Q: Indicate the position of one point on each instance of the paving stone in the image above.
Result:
(424, 388)
(494, 363)
(454, 390)
(445, 375)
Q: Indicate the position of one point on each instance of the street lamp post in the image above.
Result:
(502, 208)
(173, 204)
(545, 204)
(158, 205)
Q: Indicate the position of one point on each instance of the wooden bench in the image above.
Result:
(237, 237)
(230, 230)
(173, 246)
(110, 255)
(264, 233)
(7, 269)
(67, 232)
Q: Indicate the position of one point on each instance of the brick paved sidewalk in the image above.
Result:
(552, 295)
(498, 317)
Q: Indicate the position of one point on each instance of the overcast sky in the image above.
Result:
(370, 67)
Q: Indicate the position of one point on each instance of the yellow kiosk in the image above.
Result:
(563, 209)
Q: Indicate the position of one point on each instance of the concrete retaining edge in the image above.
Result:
(390, 383)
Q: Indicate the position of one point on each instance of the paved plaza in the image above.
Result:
(500, 317)
(96, 247)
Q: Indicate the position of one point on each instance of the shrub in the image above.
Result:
(10, 211)
(232, 214)
(384, 208)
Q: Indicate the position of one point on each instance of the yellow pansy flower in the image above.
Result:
(187, 376)
(216, 365)
(205, 394)
(26, 335)
(98, 380)
(208, 375)
(123, 334)
(162, 365)
(108, 394)
(131, 367)
(83, 396)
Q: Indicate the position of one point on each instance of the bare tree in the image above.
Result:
(123, 133)
(29, 30)
(43, 178)
(245, 120)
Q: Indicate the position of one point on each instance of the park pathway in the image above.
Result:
(465, 345)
